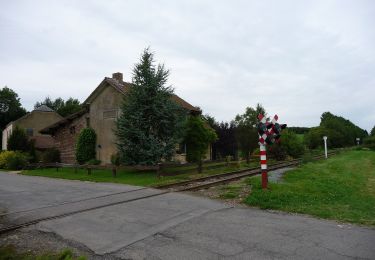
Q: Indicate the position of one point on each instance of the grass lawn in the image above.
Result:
(148, 178)
(340, 188)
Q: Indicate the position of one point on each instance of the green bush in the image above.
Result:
(86, 145)
(18, 140)
(13, 160)
(256, 152)
(369, 142)
(51, 155)
(4, 155)
(93, 162)
(277, 151)
(115, 159)
(314, 138)
(292, 144)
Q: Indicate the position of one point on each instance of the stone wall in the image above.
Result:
(104, 110)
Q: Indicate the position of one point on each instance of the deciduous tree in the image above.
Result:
(10, 107)
(246, 132)
(199, 135)
(62, 107)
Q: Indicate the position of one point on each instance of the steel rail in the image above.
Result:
(227, 177)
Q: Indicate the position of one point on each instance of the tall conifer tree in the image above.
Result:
(149, 126)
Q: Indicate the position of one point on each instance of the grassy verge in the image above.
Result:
(147, 178)
(10, 253)
(340, 188)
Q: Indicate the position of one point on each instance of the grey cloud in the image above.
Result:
(298, 58)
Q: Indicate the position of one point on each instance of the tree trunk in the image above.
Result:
(114, 172)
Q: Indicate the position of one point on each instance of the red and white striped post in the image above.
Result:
(269, 132)
(262, 148)
(263, 165)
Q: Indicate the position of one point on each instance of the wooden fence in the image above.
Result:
(162, 169)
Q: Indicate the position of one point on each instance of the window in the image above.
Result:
(110, 114)
(72, 130)
(181, 148)
(29, 131)
(87, 121)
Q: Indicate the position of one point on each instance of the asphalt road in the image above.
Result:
(149, 224)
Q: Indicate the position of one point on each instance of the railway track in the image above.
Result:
(217, 179)
(34, 216)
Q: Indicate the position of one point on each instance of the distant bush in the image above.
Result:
(277, 151)
(314, 138)
(86, 145)
(4, 157)
(93, 162)
(292, 144)
(369, 142)
(51, 155)
(115, 159)
(18, 140)
(256, 151)
(33, 155)
(13, 160)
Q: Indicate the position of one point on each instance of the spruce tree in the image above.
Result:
(149, 126)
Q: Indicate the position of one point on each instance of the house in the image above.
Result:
(32, 123)
(100, 110)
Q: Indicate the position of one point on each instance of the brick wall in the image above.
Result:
(65, 138)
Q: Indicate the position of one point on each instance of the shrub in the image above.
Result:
(369, 142)
(115, 159)
(256, 152)
(18, 141)
(51, 155)
(93, 162)
(12, 160)
(4, 157)
(32, 152)
(86, 145)
(292, 144)
(277, 151)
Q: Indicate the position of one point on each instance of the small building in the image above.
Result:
(100, 110)
(32, 123)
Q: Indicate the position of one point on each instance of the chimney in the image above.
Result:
(117, 76)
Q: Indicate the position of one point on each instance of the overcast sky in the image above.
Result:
(297, 58)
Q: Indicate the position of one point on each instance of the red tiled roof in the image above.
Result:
(123, 88)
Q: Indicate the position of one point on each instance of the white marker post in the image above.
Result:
(325, 146)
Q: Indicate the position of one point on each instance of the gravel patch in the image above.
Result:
(276, 176)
